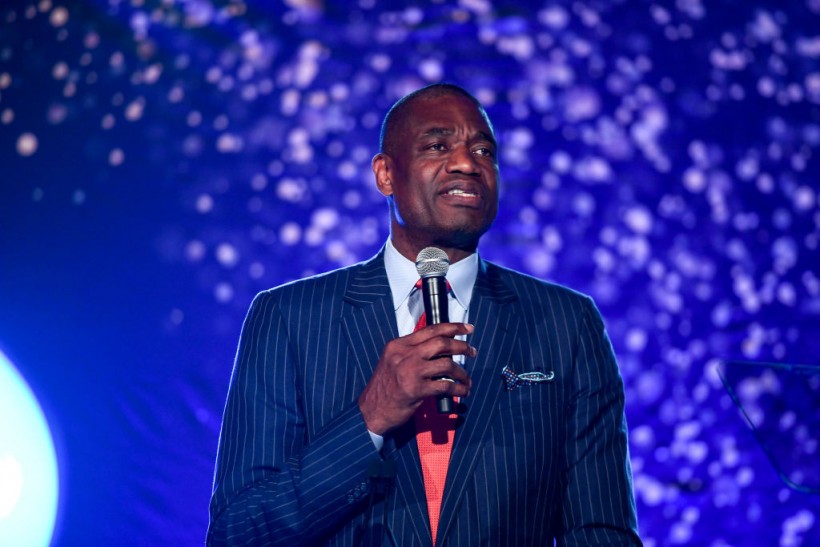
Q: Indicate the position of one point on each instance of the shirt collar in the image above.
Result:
(402, 276)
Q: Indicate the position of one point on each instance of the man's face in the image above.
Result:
(442, 175)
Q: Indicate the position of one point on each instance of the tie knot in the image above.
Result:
(447, 283)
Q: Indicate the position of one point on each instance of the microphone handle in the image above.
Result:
(445, 404)
(436, 308)
(434, 294)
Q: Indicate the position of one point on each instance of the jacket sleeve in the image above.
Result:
(271, 485)
(598, 506)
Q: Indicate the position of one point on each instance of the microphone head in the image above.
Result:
(432, 262)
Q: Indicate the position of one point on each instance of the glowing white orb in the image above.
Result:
(28, 465)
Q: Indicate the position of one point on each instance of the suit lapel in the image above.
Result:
(368, 318)
(495, 327)
(369, 322)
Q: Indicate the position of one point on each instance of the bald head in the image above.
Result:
(396, 117)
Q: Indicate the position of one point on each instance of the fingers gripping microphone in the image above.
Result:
(432, 265)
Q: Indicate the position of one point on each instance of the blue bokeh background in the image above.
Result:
(161, 162)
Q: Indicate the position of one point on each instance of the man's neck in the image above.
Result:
(410, 251)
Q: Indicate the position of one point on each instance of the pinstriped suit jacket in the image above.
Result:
(540, 462)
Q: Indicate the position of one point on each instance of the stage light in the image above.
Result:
(28, 465)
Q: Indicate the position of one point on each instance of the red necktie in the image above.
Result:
(434, 437)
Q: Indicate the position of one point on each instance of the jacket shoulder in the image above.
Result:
(526, 286)
(326, 286)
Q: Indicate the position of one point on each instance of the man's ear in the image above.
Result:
(382, 167)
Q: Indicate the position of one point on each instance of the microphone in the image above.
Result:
(432, 265)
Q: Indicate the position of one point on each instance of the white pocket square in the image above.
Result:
(513, 380)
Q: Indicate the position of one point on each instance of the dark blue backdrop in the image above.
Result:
(160, 162)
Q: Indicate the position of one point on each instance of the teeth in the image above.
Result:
(457, 192)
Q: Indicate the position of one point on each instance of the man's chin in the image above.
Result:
(465, 238)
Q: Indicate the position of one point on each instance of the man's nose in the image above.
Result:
(461, 160)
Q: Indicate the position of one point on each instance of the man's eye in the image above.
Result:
(437, 146)
(484, 151)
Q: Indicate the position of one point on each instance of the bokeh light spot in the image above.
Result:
(27, 144)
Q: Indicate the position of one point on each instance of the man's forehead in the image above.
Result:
(435, 129)
(428, 118)
(416, 116)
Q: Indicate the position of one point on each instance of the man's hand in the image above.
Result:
(405, 373)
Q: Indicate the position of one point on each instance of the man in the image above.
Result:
(331, 376)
